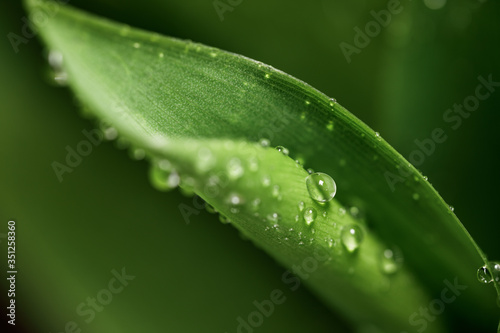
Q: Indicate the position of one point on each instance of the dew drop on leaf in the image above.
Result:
(234, 168)
(264, 142)
(485, 275)
(310, 215)
(162, 176)
(273, 217)
(391, 260)
(283, 150)
(302, 205)
(351, 237)
(321, 187)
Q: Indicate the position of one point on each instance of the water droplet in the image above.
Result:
(485, 275)
(235, 199)
(267, 76)
(310, 215)
(137, 45)
(265, 142)
(161, 55)
(391, 260)
(302, 205)
(425, 178)
(342, 211)
(333, 101)
(224, 219)
(110, 133)
(310, 171)
(329, 126)
(452, 208)
(297, 218)
(138, 154)
(354, 211)
(266, 180)
(321, 187)
(378, 136)
(283, 150)
(324, 213)
(273, 217)
(352, 237)
(206, 160)
(253, 164)
(330, 242)
(255, 204)
(301, 243)
(55, 59)
(308, 102)
(303, 116)
(163, 177)
(276, 191)
(210, 208)
(213, 54)
(416, 196)
(234, 168)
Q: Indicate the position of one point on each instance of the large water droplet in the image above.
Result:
(234, 168)
(485, 275)
(321, 187)
(351, 237)
(310, 215)
(391, 260)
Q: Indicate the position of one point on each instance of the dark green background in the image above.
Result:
(200, 277)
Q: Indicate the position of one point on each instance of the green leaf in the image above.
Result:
(199, 112)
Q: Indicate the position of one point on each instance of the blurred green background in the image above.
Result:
(199, 277)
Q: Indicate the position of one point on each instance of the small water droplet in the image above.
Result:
(310, 171)
(324, 214)
(138, 154)
(273, 217)
(213, 54)
(308, 102)
(297, 218)
(210, 208)
(391, 260)
(267, 76)
(352, 237)
(302, 205)
(321, 187)
(110, 133)
(137, 45)
(265, 142)
(224, 219)
(310, 215)
(255, 204)
(206, 160)
(162, 176)
(235, 199)
(329, 126)
(303, 116)
(234, 168)
(283, 150)
(342, 211)
(266, 180)
(425, 178)
(333, 101)
(301, 243)
(276, 193)
(378, 136)
(330, 242)
(161, 55)
(416, 196)
(452, 208)
(253, 164)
